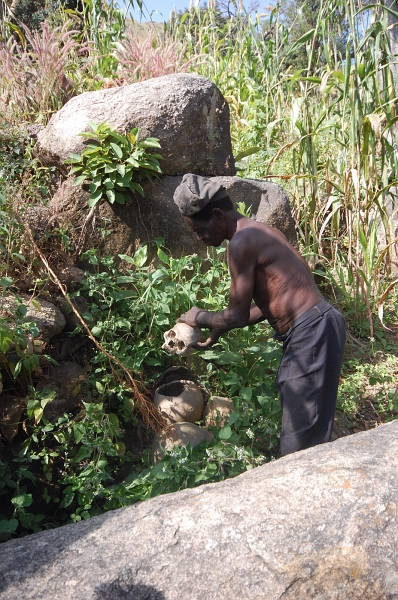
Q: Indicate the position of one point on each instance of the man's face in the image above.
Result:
(211, 233)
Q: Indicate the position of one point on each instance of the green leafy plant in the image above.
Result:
(115, 164)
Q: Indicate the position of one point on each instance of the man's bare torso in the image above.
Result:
(283, 284)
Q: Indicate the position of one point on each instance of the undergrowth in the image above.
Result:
(82, 464)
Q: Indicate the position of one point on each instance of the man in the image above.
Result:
(266, 269)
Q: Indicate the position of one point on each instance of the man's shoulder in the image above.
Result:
(249, 232)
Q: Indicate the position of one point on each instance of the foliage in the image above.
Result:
(325, 131)
(103, 24)
(16, 334)
(304, 112)
(115, 164)
(81, 465)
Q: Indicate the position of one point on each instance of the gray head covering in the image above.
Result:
(195, 192)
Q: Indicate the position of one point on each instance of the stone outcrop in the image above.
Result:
(65, 379)
(187, 113)
(47, 317)
(156, 215)
(321, 523)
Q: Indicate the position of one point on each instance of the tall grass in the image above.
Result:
(325, 132)
(33, 77)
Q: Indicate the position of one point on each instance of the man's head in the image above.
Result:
(206, 208)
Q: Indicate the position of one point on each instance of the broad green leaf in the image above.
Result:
(121, 170)
(127, 258)
(227, 358)
(110, 195)
(94, 185)
(246, 393)
(113, 419)
(117, 149)
(163, 256)
(247, 152)
(123, 294)
(22, 500)
(149, 143)
(79, 179)
(5, 338)
(79, 432)
(95, 197)
(160, 471)
(120, 198)
(8, 526)
(302, 40)
(123, 279)
(136, 187)
(132, 161)
(5, 282)
(234, 417)
(225, 433)
(141, 256)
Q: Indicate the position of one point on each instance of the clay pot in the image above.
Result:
(179, 401)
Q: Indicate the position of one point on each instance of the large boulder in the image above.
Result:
(186, 112)
(321, 523)
(156, 215)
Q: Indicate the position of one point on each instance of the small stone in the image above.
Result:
(218, 411)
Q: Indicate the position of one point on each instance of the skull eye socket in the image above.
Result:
(171, 344)
(172, 333)
(181, 345)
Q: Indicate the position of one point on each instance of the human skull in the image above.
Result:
(180, 339)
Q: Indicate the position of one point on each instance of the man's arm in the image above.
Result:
(256, 316)
(242, 261)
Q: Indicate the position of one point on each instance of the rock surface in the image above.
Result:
(187, 113)
(47, 317)
(11, 409)
(321, 524)
(217, 411)
(156, 215)
(65, 379)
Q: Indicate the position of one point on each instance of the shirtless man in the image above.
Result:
(271, 281)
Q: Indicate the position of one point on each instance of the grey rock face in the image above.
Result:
(65, 379)
(187, 113)
(321, 524)
(269, 203)
(156, 215)
(48, 318)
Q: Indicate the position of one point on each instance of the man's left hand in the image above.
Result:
(190, 316)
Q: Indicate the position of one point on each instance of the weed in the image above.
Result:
(114, 163)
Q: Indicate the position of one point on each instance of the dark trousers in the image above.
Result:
(308, 377)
